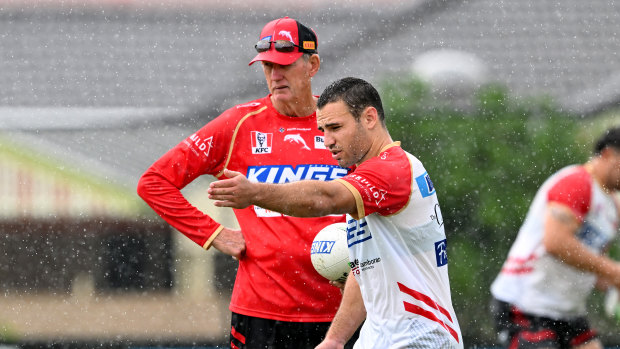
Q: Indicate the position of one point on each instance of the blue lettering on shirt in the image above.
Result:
(441, 252)
(357, 231)
(289, 173)
(322, 247)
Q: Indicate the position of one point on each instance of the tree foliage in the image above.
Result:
(486, 161)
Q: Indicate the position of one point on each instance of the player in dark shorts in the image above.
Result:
(519, 330)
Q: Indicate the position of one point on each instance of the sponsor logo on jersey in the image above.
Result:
(252, 104)
(357, 266)
(289, 173)
(319, 142)
(198, 145)
(375, 193)
(441, 252)
(425, 185)
(296, 138)
(437, 217)
(305, 129)
(263, 212)
(322, 247)
(261, 142)
(357, 232)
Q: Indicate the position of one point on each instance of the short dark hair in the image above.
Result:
(609, 138)
(356, 93)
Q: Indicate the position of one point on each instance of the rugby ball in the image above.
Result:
(330, 253)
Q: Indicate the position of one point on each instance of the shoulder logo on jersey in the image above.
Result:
(425, 185)
(289, 173)
(261, 142)
(319, 142)
(252, 104)
(198, 145)
(357, 231)
(441, 252)
(298, 139)
(377, 194)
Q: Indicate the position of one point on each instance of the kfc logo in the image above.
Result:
(261, 142)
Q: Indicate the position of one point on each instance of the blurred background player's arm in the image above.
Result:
(559, 239)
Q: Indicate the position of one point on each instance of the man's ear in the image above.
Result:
(370, 117)
(607, 152)
(315, 64)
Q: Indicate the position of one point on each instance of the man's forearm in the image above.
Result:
(299, 199)
(350, 315)
(560, 241)
(307, 198)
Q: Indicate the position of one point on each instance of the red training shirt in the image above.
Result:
(275, 278)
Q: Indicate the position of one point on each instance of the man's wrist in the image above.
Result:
(209, 241)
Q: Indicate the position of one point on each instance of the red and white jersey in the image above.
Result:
(397, 248)
(536, 282)
(275, 279)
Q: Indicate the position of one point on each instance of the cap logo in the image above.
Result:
(309, 45)
(287, 34)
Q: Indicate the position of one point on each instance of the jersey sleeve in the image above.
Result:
(573, 191)
(203, 152)
(380, 186)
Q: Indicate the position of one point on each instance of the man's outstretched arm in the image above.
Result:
(307, 198)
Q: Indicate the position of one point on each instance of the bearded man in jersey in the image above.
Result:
(558, 256)
(278, 300)
(397, 244)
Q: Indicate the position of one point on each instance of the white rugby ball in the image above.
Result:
(330, 253)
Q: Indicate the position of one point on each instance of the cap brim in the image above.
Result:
(281, 58)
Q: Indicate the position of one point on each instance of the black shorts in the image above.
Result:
(519, 330)
(248, 332)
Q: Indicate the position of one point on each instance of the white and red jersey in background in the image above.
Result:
(532, 279)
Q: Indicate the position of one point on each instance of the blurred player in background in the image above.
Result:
(278, 300)
(397, 244)
(558, 256)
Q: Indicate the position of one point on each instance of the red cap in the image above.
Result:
(290, 30)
